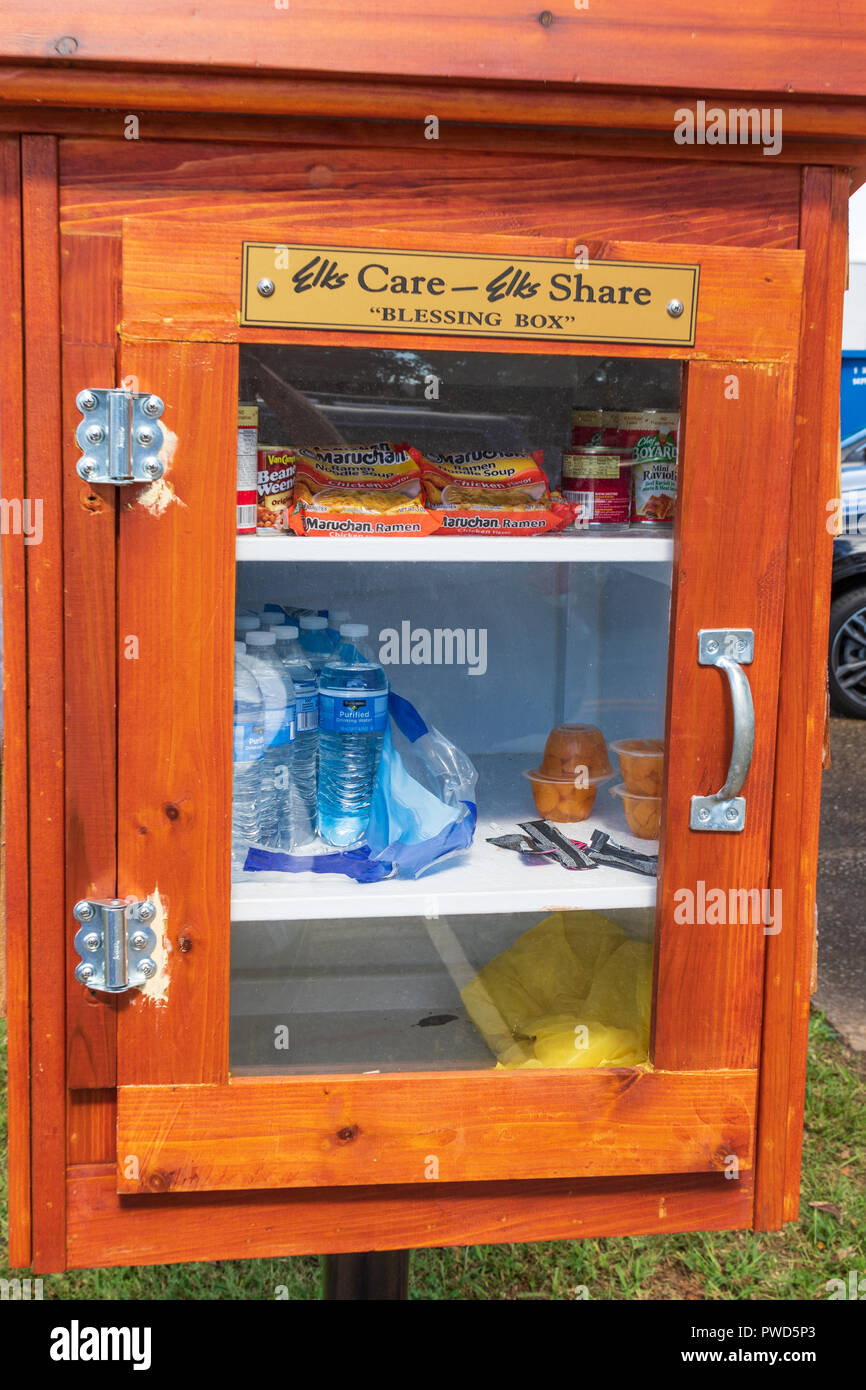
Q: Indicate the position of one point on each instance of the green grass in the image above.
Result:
(793, 1263)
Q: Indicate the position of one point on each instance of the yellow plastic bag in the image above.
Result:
(573, 991)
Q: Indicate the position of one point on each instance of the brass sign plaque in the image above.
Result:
(444, 292)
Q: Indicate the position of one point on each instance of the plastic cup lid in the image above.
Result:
(313, 622)
(354, 629)
(261, 639)
(626, 745)
(622, 790)
(535, 774)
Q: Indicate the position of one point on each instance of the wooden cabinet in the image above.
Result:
(140, 1129)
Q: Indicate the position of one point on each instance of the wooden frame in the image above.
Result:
(179, 327)
(103, 1227)
(15, 871)
(771, 52)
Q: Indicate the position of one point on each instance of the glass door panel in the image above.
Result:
(540, 659)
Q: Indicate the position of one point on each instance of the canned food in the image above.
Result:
(598, 481)
(654, 492)
(646, 434)
(276, 479)
(587, 426)
(248, 437)
(649, 438)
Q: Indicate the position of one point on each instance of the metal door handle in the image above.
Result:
(730, 649)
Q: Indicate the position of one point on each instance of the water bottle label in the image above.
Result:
(249, 742)
(287, 730)
(307, 707)
(362, 714)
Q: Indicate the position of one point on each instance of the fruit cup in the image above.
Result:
(640, 761)
(559, 799)
(643, 813)
(575, 751)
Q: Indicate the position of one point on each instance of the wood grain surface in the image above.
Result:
(353, 1131)
(774, 48)
(90, 274)
(106, 1229)
(352, 173)
(797, 790)
(186, 101)
(183, 282)
(174, 712)
(45, 659)
(15, 790)
(730, 545)
(831, 140)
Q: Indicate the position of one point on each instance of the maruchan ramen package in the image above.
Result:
(359, 490)
(276, 476)
(482, 492)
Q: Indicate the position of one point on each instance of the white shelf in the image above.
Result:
(483, 880)
(625, 545)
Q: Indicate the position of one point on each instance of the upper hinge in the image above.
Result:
(114, 942)
(120, 436)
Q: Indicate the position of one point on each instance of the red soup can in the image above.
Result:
(587, 426)
(597, 480)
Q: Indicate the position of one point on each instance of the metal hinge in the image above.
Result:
(120, 436)
(114, 942)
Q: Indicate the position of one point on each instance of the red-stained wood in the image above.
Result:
(350, 1131)
(578, 139)
(43, 479)
(184, 282)
(773, 48)
(90, 274)
(175, 574)
(797, 791)
(184, 100)
(15, 811)
(174, 785)
(729, 565)
(361, 173)
(90, 1127)
(106, 1229)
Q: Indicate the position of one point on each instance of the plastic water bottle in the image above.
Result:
(315, 641)
(353, 713)
(305, 767)
(249, 747)
(276, 829)
(336, 618)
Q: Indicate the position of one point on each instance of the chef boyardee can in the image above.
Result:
(597, 480)
(650, 439)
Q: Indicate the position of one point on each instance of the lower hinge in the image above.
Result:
(114, 942)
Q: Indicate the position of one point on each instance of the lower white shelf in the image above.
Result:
(485, 879)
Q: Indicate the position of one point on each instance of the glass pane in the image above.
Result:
(410, 993)
(457, 866)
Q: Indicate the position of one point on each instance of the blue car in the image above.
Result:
(847, 660)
